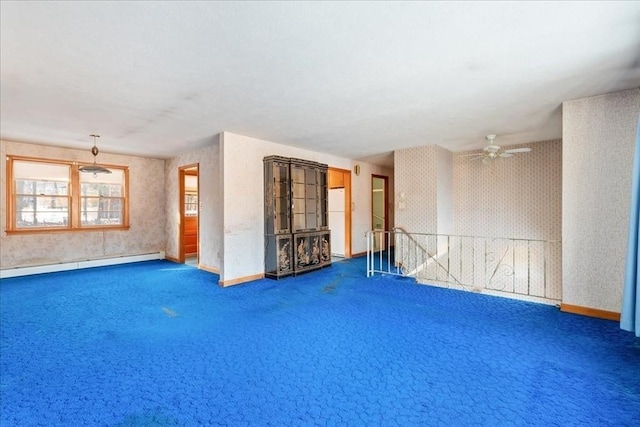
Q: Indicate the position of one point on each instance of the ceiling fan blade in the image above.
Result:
(518, 150)
(505, 154)
(469, 155)
(478, 158)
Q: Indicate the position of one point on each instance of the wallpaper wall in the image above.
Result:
(146, 217)
(444, 189)
(599, 137)
(210, 221)
(516, 197)
(519, 197)
(416, 193)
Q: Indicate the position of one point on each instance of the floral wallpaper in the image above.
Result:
(146, 214)
(516, 197)
(416, 194)
(519, 197)
(598, 135)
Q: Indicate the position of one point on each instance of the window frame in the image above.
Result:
(74, 224)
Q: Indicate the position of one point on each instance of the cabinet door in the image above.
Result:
(281, 198)
(298, 199)
(323, 202)
(311, 199)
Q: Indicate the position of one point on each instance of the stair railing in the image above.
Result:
(525, 267)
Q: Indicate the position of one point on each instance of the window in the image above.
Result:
(102, 198)
(191, 204)
(50, 195)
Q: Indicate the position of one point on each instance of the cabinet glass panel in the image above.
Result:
(298, 190)
(322, 181)
(310, 176)
(282, 222)
(322, 212)
(297, 174)
(298, 206)
(312, 220)
(280, 189)
(310, 191)
(281, 173)
(311, 205)
(282, 218)
(298, 221)
(282, 205)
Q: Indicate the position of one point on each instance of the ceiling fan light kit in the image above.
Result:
(493, 152)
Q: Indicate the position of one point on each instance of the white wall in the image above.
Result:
(243, 200)
(210, 221)
(598, 137)
(146, 214)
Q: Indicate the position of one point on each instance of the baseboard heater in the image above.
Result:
(76, 265)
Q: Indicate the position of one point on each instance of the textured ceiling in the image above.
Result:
(355, 79)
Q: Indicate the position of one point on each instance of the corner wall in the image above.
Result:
(243, 201)
(598, 136)
(416, 189)
(210, 214)
(519, 197)
(146, 214)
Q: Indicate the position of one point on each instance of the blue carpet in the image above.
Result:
(160, 344)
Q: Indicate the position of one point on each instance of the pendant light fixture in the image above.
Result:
(95, 169)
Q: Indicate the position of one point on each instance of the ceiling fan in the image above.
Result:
(492, 152)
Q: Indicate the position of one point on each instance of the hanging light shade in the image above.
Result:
(95, 169)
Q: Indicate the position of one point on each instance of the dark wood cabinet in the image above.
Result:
(297, 238)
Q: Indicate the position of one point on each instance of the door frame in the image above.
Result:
(385, 200)
(182, 172)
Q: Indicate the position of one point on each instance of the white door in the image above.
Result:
(336, 221)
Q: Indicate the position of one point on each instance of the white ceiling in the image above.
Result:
(355, 79)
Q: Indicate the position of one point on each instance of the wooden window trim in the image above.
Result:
(74, 195)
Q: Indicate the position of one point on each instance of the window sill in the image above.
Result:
(64, 230)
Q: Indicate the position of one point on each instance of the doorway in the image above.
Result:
(379, 213)
(339, 212)
(189, 215)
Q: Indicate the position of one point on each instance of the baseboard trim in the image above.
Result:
(591, 312)
(359, 254)
(209, 269)
(200, 266)
(77, 265)
(225, 283)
